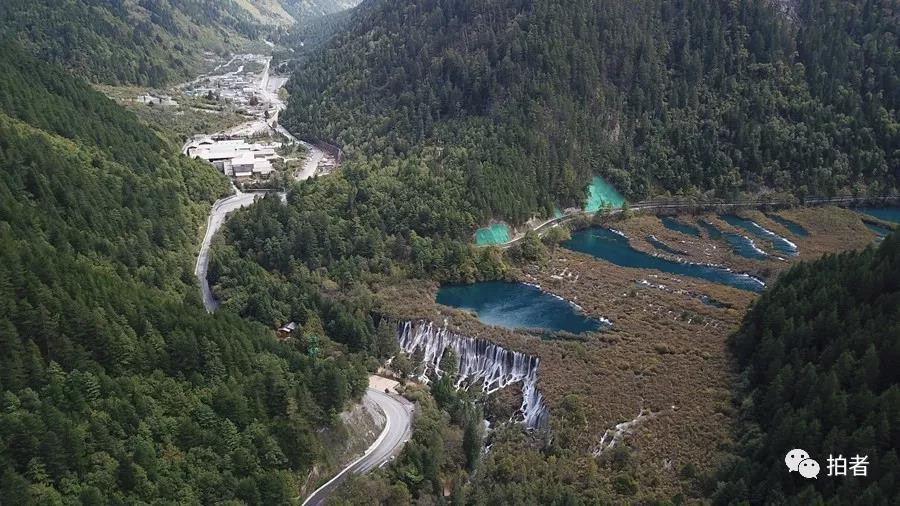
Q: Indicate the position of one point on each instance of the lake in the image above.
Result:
(498, 233)
(612, 247)
(518, 306)
(741, 245)
(602, 194)
(681, 227)
(780, 243)
(795, 228)
(889, 214)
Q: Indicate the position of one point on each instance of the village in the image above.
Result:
(256, 153)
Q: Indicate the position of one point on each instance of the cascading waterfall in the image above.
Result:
(479, 361)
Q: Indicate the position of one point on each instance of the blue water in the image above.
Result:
(602, 243)
(709, 301)
(517, 306)
(711, 230)
(677, 226)
(880, 231)
(602, 194)
(889, 214)
(498, 233)
(741, 245)
(781, 244)
(663, 246)
(744, 246)
(795, 228)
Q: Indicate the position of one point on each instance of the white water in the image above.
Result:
(612, 437)
(754, 246)
(479, 361)
(791, 246)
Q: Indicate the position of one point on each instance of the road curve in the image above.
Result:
(397, 430)
(216, 218)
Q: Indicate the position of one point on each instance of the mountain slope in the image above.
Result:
(659, 96)
(818, 357)
(269, 12)
(148, 42)
(115, 385)
(314, 8)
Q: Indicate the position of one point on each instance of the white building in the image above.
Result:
(235, 157)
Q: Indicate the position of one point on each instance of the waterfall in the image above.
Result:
(479, 361)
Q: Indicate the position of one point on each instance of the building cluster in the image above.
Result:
(160, 100)
(236, 158)
(239, 87)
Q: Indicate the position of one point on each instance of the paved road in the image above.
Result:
(397, 430)
(314, 155)
(216, 218)
(268, 87)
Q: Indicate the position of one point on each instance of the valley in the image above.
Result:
(245, 81)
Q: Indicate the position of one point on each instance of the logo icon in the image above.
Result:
(809, 468)
(794, 458)
(798, 460)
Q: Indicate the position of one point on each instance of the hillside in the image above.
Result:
(818, 357)
(117, 387)
(526, 100)
(146, 42)
(269, 12)
(307, 9)
(288, 12)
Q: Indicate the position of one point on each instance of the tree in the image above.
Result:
(557, 235)
(531, 248)
(402, 365)
(472, 442)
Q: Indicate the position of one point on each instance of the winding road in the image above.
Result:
(397, 430)
(397, 410)
(216, 218)
(268, 90)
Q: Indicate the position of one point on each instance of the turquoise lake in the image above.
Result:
(497, 233)
(656, 243)
(780, 243)
(880, 231)
(518, 306)
(600, 194)
(794, 228)
(607, 245)
(679, 226)
(889, 214)
(741, 245)
(711, 230)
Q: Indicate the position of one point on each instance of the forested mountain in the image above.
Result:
(115, 385)
(818, 355)
(269, 12)
(147, 42)
(525, 100)
(288, 12)
(349, 230)
(307, 9)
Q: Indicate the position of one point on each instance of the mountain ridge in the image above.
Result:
(146, 42)
(690, 97)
